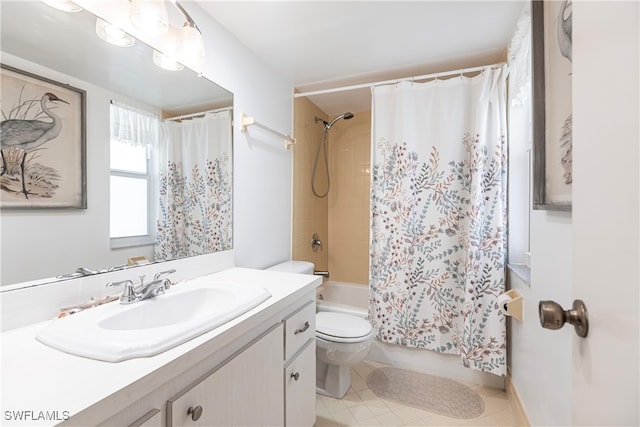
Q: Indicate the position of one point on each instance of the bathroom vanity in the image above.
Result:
(257, 369)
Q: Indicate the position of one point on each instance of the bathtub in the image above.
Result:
(343, 297)
(353, 299)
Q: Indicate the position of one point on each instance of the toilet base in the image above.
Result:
(332, 380)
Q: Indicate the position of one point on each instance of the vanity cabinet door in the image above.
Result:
(245, 391)
(300, 387)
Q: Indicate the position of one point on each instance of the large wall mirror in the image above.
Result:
(42, 244)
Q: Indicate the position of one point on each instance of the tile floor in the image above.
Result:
(360, 407)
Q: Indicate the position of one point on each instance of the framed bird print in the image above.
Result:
(43, 143)
(552, 111)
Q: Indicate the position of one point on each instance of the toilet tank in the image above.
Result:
(300, 267)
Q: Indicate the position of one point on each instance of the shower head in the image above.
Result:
(345, 116)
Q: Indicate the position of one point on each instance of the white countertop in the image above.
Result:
(37, 379)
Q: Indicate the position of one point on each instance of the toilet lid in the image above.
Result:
(340, 325)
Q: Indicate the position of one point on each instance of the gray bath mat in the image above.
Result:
(427, 392)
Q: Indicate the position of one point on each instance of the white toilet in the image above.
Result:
(342, 340)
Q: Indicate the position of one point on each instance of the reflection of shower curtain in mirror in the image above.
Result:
(194, 211)
(438, 217)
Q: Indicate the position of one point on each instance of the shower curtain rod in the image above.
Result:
(201, 113)
(394, 81)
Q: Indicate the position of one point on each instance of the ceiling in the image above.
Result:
(328, 44)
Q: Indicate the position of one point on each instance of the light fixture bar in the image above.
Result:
(185, 14)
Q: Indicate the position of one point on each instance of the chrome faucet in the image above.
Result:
(131, 294)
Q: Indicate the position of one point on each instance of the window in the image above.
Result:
(133, 133)
(520, 137)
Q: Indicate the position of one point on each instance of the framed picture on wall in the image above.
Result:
(43, 142)
(552, 111)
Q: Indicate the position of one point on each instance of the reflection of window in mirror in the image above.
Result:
(520, 136)
(133, 134)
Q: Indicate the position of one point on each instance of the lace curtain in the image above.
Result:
(133, 126)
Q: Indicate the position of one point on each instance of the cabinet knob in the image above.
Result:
(195, 413)
(303, 329)
(295, 375)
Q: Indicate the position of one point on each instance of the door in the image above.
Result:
(605, 211)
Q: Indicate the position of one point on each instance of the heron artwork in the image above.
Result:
(28, 135)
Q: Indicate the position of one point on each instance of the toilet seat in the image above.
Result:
(343, 328)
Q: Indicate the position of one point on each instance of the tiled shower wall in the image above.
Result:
(350, 160)
(310, 213)
(341, 219)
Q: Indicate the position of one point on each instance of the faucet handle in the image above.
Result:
(316, 242)
(128, 294)
(122, 282)
(157, 275)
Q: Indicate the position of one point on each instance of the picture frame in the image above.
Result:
(43, 143)
(552, 112)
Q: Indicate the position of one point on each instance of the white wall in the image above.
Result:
(262, 167)
(540, 358)
(262, 172)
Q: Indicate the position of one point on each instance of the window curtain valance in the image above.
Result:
(134, 126)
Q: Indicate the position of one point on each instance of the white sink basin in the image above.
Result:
(114, 332)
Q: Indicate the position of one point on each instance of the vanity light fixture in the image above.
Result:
(149, 16)
(112, 34)
(141, 18)
(64, 5)
(190, 46)
(189, 43)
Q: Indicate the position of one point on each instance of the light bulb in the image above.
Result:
(149, 16)
(166, 62)
(190, 47)
(112, 34)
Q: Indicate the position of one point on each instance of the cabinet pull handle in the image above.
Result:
(303, 329)
(195, 413)
(295, 375)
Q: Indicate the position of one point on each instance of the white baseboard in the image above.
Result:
(516, 404)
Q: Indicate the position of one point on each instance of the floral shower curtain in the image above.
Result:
(194, 211)
(438, 217)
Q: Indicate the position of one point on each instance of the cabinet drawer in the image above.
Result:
(299, 328)
(300, 388)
